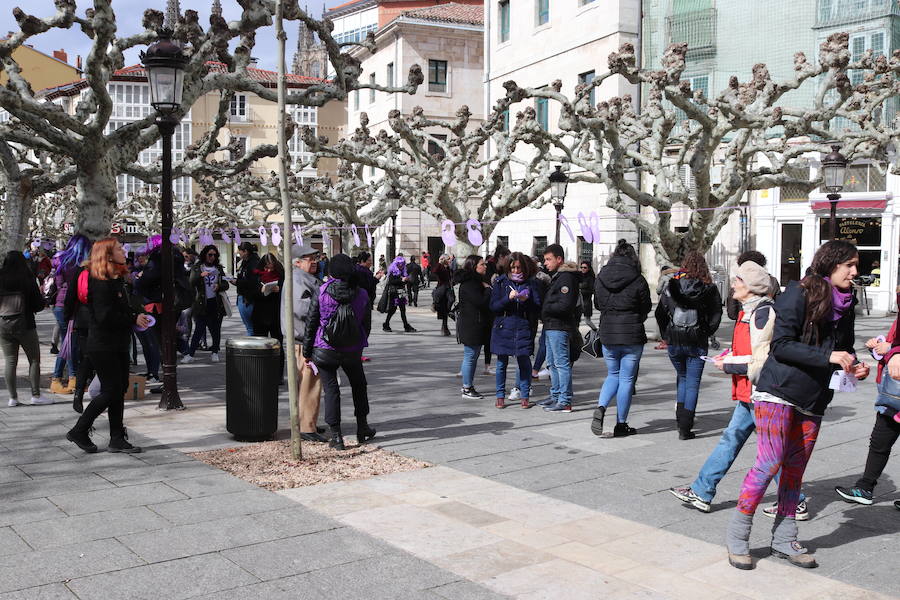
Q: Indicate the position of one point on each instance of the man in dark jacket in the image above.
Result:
(560, 313)
(414, 272)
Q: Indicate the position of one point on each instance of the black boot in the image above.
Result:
(337, 439)
(82, 440)
(597, 421)
(364, 433)
(78, 401)
(685, 420)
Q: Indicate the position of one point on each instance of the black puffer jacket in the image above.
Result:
(559, 311)
(622, 296)
(474, 316)
(688, 293)
(797, 371)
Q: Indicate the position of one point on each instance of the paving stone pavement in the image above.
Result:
(210, 533)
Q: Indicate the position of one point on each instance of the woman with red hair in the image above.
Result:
(108, 345)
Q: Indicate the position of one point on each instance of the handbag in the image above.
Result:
(592, 344)
(888, 392)
(226, 305)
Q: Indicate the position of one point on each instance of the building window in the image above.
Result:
(859, 44)
(540, 108)
(503, 240)
(506, 120)
(864, 178)
(793, 192)
(587, 78)
(504, 21)
(390, 74)
(585, 251)
(434, 148)
(372, 90)
(437, 75)
(542, 12)
(238, 109)
(538, 245)
(355, 99)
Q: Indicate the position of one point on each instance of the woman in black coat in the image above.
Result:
(688, 313)
(441, 296)
(622, 297)
(586, 289)
(473, 313)
(108, 344)
(20, 298)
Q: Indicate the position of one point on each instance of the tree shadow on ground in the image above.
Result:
(701, 423)
(437, 427)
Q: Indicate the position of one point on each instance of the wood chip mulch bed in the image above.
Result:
(269, 464)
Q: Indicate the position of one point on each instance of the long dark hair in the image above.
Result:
(471, 262)
(270, 259)
(695, 267)
(14, 272)
(205, 250)
(529, 269)
(818, 290)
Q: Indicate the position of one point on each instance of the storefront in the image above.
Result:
(791, 231)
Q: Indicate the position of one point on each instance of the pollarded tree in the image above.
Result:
(93, 153)
(436, 165)
(747, 132)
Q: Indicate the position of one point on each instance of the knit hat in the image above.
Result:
(341, 267)
(755, 277)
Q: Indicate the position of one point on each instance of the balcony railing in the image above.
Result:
(839, 12)
(697, 29)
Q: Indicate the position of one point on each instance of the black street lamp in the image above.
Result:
(834, 167)
(558, 183)
(165, 62)
(394, 196)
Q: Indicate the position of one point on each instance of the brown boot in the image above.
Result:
(526, 403)
(70, 388)
(501, 403)
(57, 387)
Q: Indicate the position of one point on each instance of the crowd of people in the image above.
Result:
(790, 351)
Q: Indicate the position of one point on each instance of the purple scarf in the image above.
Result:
(840, 301)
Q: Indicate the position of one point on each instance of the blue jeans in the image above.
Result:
(150, 345)
(739, 429)
(523, 377)
(246, 312)
(559, 365)
(61, 362)
(470, 359)
(689, 369)
(621, 365)
(541, 353)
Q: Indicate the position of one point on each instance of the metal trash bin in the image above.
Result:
(252, 375)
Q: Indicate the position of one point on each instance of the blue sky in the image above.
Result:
(129, 13)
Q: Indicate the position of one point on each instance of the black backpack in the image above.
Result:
(342, 330)
(684, 323)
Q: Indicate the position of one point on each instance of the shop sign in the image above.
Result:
(859, 231)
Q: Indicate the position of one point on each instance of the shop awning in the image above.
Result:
(850, 205)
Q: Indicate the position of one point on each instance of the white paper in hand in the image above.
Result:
(841, 381)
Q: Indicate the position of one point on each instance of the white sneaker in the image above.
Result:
(188, 359)
(459, 373)
(544, 374)
(515, 394)
(214, 357)
(12, 402)
(153, 382)
(41, 400)
(488, 370)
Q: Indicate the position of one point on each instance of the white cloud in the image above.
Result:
(129, 14)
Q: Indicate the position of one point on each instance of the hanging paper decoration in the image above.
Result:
(237, 235)
(595, 227)
(354, 232)
(369, 238)
(565, 223)
(126, 248)
(175, 235)
(263, 236)
(276, 234)
(298, 235)
(224, 235)
(473, 231)
(206, 238)
(586, 232)
(448, 232)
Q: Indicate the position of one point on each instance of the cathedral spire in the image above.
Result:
(173, 11)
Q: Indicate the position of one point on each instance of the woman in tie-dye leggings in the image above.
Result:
(812, 340)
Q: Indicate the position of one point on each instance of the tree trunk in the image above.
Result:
(18, 205)
(96, 198)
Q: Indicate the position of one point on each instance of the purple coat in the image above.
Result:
(331, 296)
